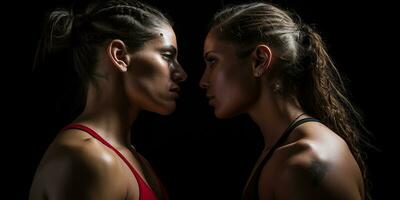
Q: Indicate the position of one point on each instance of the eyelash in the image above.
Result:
(168, 56)
(210, 61)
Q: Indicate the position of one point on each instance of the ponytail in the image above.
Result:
(323, 95)
(56, 36)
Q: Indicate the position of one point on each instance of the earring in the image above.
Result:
(276, 87)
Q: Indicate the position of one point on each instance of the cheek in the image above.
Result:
(152, 73)
(226, 86)
(234, 81)
(147, 83)
(151, 68)
(235, 90)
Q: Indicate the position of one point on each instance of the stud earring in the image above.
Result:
(276, 87)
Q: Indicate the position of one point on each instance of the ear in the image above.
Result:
(262, 56)
(118, 54)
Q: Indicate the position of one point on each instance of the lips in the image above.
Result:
(211, 100)
(175, 91)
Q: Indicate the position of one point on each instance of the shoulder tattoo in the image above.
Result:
(318, 170)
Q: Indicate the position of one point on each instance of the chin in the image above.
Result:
(220, 114)
(225, 113)
(167, 109)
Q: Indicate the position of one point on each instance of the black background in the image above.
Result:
(196, 155)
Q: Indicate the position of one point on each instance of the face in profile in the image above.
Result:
(228, 79)
(152, 78)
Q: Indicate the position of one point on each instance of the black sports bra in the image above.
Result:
(251, 190)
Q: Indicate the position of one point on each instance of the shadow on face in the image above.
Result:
(228, 79)
(152, 77)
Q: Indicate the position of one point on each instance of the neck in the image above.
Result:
(273, 114)
(109, 114)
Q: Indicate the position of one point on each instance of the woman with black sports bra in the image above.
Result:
(125, 53)
(262, 62)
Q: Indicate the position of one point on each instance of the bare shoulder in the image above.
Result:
(77, 167)
(318, 165)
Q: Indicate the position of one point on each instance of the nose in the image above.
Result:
(179, 75)
(204, 81)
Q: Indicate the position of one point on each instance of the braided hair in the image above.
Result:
(83, 28)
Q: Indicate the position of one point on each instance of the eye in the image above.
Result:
(168, 56)
(210, 60)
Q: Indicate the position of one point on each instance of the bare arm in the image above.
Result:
(84, 172)
(315, 179)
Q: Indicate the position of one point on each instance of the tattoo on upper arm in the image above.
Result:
(318, 170)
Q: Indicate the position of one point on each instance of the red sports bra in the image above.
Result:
(145, 192)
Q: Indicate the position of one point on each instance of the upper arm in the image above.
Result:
(85, 173)
(309, 177)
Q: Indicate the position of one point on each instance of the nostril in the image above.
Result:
(204, 85)
(179, 77)
(184, 76)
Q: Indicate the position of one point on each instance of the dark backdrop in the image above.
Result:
(196, 155)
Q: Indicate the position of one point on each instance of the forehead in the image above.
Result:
(213, 44)
(165, 37)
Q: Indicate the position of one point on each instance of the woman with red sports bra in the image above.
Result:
(125, 53)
